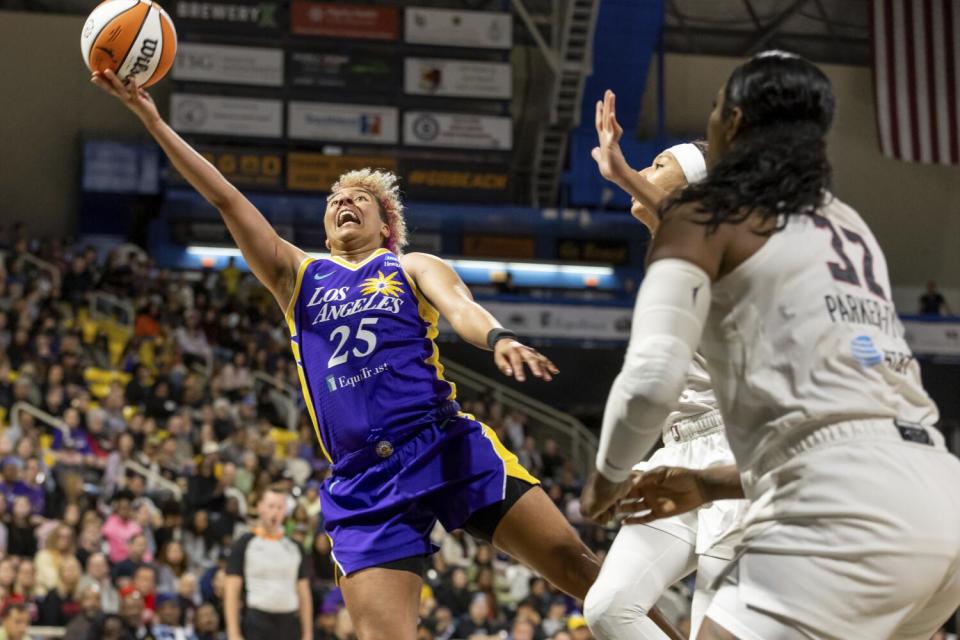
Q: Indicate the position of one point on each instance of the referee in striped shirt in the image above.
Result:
(267, 572)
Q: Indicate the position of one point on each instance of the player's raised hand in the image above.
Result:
(662, 493)
(608, 155)
(134, 97)
(511, 356)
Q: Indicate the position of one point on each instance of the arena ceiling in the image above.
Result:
(836, 31)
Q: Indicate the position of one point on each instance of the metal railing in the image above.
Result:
(105, 305)
(41, 416)
(42, 265)
(282, 394)
(571, 434)
(46, 632)
(154, 479)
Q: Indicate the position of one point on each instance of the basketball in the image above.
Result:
(133, 38)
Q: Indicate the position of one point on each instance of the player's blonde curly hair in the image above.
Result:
(383, 185)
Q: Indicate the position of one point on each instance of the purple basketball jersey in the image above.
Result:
(363, 339)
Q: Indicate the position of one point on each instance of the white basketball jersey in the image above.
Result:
(803, 333)
(697, 397)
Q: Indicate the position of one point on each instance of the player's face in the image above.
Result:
(665, 172)
(353, 219)
(721, 131)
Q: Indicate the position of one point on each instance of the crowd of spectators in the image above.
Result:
(118, 524)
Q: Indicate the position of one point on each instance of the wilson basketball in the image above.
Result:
(133, 38)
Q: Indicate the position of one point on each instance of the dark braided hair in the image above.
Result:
(777, 163)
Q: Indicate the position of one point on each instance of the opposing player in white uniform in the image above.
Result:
(645, 559)
(853, 527)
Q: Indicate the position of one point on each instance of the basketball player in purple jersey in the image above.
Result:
(362, 325)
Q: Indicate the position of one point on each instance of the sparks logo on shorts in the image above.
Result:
(865, 352)
(331, 383)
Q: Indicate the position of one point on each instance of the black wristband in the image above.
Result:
(498, 334)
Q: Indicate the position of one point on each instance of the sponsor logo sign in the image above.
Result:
(477, 245)
(587, 250)
(247, 117)
(244, 167)
(229, 64)
(564, 320)
(457, 78)
(344, 20)
(120, 167)
(318, 172)
(469, 29)
(457, 130)
(342, 122)
(358, 71)
(451, 181)
(236, 15)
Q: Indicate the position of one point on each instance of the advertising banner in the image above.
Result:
(318, 172)
(242, 117)
(344, 20)
(228, 64)
(937, 338)
(120, 167)
(566, 321)
(353, 70)
(458, 130)
(457, 78)
(455, 28)
(477, 245)
(236, 15)
(456, 181)
(588, 250)
(335, 122)
(244, 168)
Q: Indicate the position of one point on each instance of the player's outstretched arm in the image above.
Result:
(446, 291)
(611, 163)
(273, 260)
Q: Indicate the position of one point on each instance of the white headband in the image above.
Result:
(690, 160)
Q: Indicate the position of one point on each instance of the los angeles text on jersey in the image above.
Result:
(864, 311)
(334, 303)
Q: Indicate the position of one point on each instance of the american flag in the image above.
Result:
(916, 65)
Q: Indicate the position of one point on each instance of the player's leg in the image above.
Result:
(704, 589)
(642, 563)
(383, 602)
(535, 533)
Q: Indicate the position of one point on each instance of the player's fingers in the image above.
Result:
(516, 361)
(530, 357)
(503, 364)
(595, 154)
(598, 117)
(114, 81)
(552, 368)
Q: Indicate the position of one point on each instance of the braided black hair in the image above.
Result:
(777, 163)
